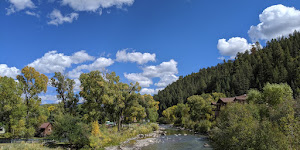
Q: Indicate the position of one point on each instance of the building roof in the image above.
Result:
(44, 125)
(231, 99)
(227, 99)
(241, 97)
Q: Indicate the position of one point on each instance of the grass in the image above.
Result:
(111, 136)
(108, 137)
(25, 146)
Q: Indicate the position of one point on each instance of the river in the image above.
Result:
(178, 140)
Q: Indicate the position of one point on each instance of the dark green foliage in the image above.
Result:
(72, 129)
(269, 121)
(196, 114)
(277, 62)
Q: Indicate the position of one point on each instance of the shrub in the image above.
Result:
(154, 126)
(203, 126)
(144, 130)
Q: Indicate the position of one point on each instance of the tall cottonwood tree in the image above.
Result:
(125, 95)
(94, 91)
(32, 84)
(65, 89)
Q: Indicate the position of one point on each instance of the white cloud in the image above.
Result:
(18, 5)
(77, 85)
(221, 58)
(9, 71)
(32, 14)
(166, 80)
(81, 56)
(147, 91)
(52, 98)
(140, 58)
(275, 21)
(137, 77)
(57, 18)
(57, 62)
(166, 71)
(163, 69)
(99, 64)
(95, 5)
(150, 91)
(233, 46)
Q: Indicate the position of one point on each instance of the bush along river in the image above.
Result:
(166, 138)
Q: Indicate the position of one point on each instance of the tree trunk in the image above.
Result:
(119, 123)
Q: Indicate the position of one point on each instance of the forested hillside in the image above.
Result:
(277, 62)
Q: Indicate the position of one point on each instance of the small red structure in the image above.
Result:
(45, 129)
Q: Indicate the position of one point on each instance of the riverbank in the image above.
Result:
(140, 140)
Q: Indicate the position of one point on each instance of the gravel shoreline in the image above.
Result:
(141, 141)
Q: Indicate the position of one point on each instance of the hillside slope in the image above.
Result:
(277, 62)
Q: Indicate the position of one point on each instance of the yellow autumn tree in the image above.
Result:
(95, 129)
(97, 139)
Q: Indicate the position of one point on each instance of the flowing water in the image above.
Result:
(179, 140)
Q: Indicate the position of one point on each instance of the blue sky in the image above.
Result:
(157, 40)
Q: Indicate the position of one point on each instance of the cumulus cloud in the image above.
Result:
(18, 5)
(9, 71)
(95, 5)
(166, 80)
(275, 21)
(233, 46)
(99, 64)
(166, 72)
(150, 91)
(57, 62)
(52, 98)
(140, 58)
(81, 56)
(163, 69)
(57, 18)
(137, 77)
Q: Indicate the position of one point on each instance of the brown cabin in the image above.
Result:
(224, 101)
(45, 129)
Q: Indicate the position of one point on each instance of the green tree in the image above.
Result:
(200, 109)
(151, 107)
(169, 114)
(32, 84)
(94, 91)
(236, 127)
(65, 89)
(72, 129)
(12, 108)
(274, 94)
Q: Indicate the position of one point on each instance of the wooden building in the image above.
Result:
(224, 101)
(45, 129)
